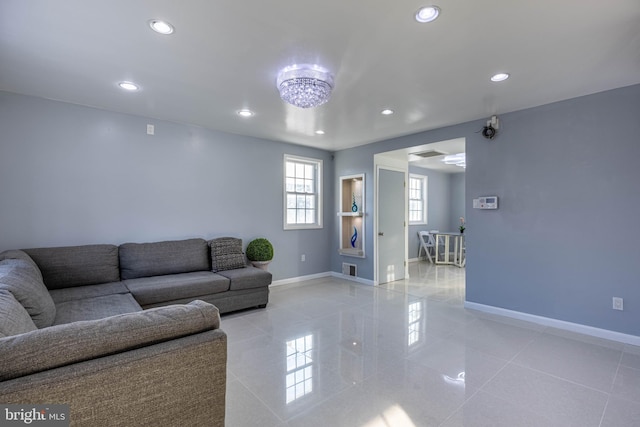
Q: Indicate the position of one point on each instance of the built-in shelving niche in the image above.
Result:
(352, 215)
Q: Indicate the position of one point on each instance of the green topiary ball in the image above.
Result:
(260, 250)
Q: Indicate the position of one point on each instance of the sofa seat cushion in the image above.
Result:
(91, 291)
(14, 319)
(68, 266)
(95, 308)
(247, 278)
(162, 258)
(159, 289)
(19, 277)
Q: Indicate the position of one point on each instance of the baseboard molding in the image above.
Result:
(300, 278)
(352, 278)
(554, 323)
(319, 276)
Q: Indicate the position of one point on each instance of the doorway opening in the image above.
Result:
(442, 199)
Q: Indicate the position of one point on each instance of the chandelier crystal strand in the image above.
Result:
(305, 86)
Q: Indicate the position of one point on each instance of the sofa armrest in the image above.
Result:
(180, 382)
(75, 342)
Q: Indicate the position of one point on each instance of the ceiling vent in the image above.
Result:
(430, 153)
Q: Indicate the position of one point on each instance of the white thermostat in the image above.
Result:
(486, 202)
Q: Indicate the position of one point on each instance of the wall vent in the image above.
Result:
(349, 269)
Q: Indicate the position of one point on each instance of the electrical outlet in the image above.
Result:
(151, 130)
(303, 257)
(618, 303)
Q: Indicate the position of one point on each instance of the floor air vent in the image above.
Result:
(349, 269)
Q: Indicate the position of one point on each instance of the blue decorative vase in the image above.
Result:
(354, 237)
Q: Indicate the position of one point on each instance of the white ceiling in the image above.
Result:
(451, 146)
(225, 55)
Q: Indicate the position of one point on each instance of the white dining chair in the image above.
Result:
(426, 243)
(437, 240)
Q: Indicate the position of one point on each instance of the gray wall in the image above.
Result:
(349, 162)
(75, 175)
(564, 241)
(565, 238)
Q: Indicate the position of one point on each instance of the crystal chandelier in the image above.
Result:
(305, 86)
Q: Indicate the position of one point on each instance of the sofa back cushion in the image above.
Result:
(69, 266)
(14, 319)
(19, 277)
(226, 254)
(161, 258)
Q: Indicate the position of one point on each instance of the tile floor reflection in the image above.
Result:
(332, 352)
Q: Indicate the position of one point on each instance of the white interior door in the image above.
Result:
(391, 225)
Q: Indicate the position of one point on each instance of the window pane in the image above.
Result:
(291, 216)
(291, 201)
(310, 202)
(291, 184)
(299, 170)
(291, 168)
(309, 172)
(308, 186)
(311, 217)
(300, 217)
(299, 185)
(300, 201)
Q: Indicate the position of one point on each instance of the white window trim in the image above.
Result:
(425, 194)
(319, 163)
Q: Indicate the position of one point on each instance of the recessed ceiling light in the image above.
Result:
(319, 132)
(386, 112)
(161, 27)
(245, 113)
(129, 86)
(427, 14)
(499, 77)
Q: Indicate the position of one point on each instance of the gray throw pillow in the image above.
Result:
(226, 254)
(14, 319)
(18, 254)
(20, 278)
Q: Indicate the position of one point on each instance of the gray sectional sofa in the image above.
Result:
(126, 335)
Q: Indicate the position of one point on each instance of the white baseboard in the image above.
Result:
(319, 276)
(301, 278)
(554, 323)
(352, 278)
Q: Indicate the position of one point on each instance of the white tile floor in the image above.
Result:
(332, 352)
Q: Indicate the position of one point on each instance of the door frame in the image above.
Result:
(382, 162)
